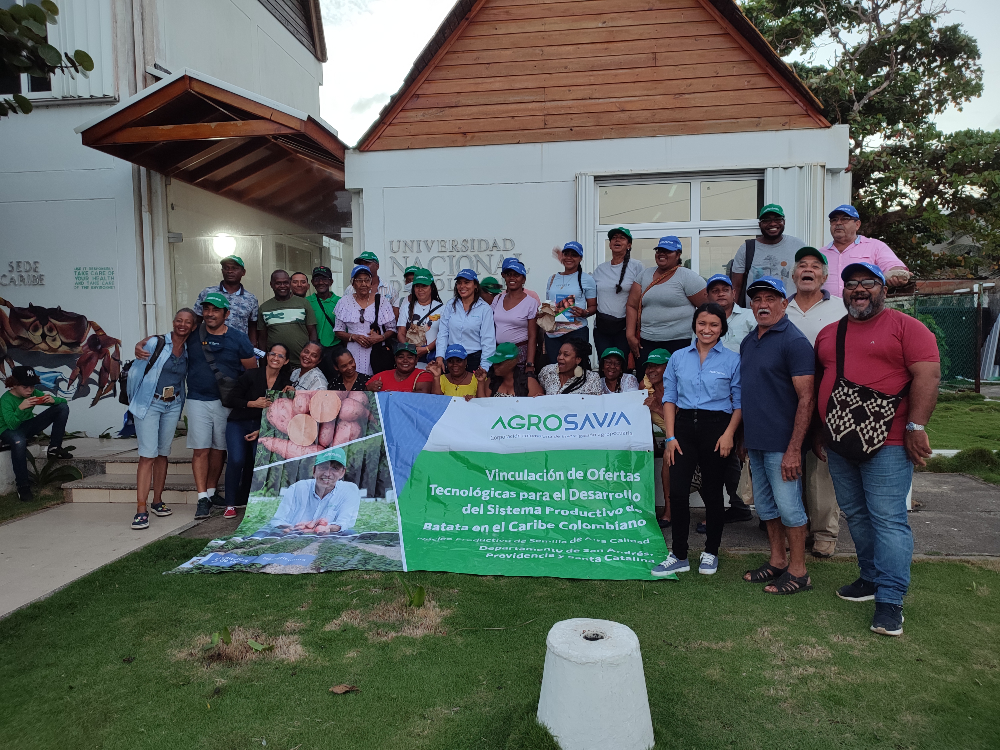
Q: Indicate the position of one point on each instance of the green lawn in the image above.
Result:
(965, 420)
(11, 507)
(112, 661)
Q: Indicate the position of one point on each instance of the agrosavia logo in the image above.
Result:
(557, 422)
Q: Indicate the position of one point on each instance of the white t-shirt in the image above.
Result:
(606, 275)
(770, 260)
(430, 323)
(828, 310)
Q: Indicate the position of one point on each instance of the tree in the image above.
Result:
(886, 68)
(24, 48)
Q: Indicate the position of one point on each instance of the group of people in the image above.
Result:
(689, 343)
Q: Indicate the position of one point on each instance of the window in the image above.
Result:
(712, 215)
(13, 83)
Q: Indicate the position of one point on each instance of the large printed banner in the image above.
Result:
(554, 486)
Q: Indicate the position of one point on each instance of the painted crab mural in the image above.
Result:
(47, 337)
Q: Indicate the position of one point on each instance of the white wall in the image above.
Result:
(528, 193)
(240, 42)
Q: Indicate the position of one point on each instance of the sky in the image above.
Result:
(372, 44)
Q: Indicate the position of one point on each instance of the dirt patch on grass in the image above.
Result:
(388, 620)
(294, 626)
(286, 648)
(986, 563)
(813, 652)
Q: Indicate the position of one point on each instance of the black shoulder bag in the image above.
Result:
(858, 418)
(747, 262)
(127, 367)
(381, 354)
(226, 384)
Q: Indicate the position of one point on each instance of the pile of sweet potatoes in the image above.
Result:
(316, 419)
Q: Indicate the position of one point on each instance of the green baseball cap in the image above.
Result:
(331, 454)
(366, 257)
(491, 285)
(406, 347)
(409, 269)
(658, 357)
(422, 277)
(505, 352)
(613, 351)
(216, 299)
(771, 208)
(234, 259)
(623, 230)
(805, 252)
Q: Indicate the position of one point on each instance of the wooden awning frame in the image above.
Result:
(231, 142)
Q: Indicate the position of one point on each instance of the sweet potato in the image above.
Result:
(302, 429)
(346, 432)
(327, 430)
(300, 404)
(353, 410)
(280, 414)
(324, 406)
(286, 448)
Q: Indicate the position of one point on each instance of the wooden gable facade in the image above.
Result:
(531, 71)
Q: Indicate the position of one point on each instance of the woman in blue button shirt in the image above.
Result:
(701, 411)
(467, 320)
(156, 397)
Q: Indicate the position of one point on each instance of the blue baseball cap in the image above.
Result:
(718, 277)
(671, 243)
(767, 282)
(360, 269)
(513, 264)
(467, 273)
(455, 351)
(575, 247)
(852, 267)
(845, 209)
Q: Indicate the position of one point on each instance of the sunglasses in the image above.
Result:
(865, 283)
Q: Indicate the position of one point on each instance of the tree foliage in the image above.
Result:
(24, 48)
(887, 68)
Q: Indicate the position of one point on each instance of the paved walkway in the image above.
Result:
(45, 551)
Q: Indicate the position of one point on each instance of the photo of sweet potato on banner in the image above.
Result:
(304, 422)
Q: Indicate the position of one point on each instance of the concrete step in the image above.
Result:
(120, 488)
(127, 466)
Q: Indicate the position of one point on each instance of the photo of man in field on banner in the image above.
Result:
(321, 497)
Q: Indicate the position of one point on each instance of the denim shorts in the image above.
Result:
(155, 431)
(773, 497)
(206, 424)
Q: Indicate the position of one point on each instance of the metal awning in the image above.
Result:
(231, 142)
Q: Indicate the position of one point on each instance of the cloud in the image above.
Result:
(369, 102)
(338, 11)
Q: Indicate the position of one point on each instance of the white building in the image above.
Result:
(522, 126)
(119, 246)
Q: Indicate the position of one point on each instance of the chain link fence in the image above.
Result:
(952, 319)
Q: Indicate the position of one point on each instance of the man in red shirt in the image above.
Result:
(405, 377)
(885, 350)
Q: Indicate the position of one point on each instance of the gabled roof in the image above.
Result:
(304, 20)
(466, 12)
(230, 142)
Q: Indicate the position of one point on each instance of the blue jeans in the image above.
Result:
(773, 497)
(239, 460)
(55, 415)
(155, 431)
(872, 495)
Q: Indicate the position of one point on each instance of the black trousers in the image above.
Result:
(604, 340)
(697, 431)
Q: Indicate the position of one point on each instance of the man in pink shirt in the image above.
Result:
(850, 247)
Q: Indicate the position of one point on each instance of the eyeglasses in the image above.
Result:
(865, 283)
(279, 355)
(840, 222)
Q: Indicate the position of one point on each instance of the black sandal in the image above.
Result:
(789, 584)
(764, 573)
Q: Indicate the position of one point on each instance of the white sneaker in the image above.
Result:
(670, 565)
(709, 564)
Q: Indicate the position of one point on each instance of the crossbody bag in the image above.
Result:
(858, 418)
(123, 398)
(381, 354)
(747, 265)
(226, 384)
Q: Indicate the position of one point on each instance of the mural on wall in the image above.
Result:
(72, 355)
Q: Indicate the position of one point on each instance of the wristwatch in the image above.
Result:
(914, 427)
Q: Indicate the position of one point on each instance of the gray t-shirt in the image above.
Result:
(666, 310)
(769, 260)
(606, 276)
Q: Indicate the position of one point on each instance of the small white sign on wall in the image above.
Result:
(94, 277)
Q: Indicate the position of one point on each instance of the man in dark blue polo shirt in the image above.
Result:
(776, 366)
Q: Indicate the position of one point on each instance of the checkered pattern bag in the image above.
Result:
(858, 418)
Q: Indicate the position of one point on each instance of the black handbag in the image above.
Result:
(382, 357)
(127, 368)
(858, 418)
(226, 384)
